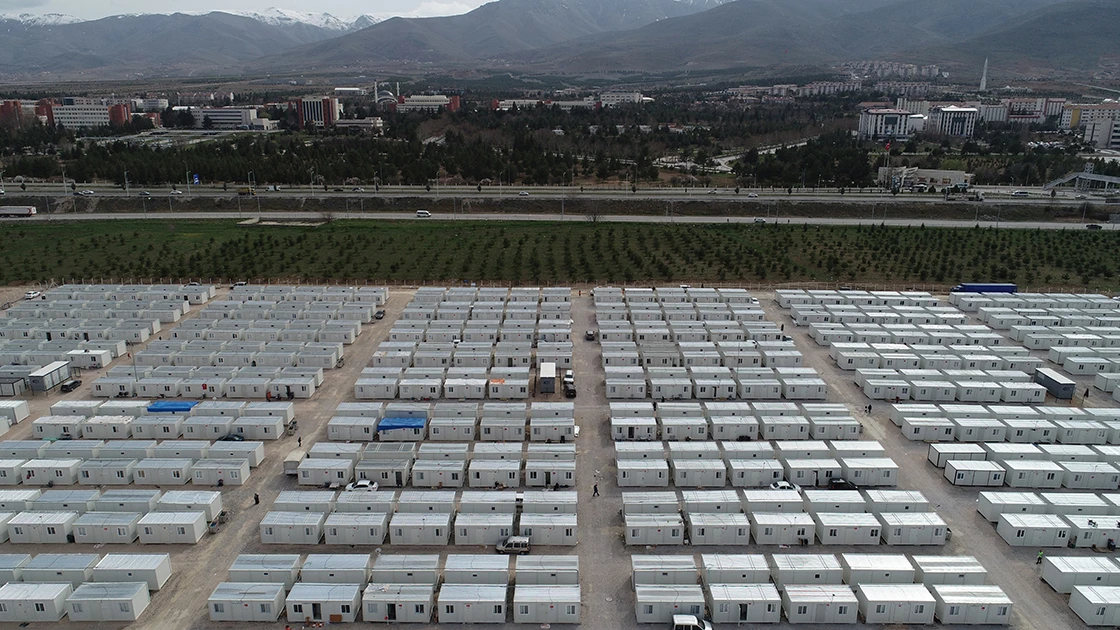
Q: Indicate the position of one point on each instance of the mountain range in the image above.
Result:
(576, 37)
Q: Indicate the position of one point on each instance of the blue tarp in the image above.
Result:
(388, 424)
(171, 406)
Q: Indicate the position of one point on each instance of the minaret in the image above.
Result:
(984, 77)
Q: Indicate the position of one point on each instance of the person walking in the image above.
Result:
(1039, 559)
(256, 499)
(595, 490)
(299, 441)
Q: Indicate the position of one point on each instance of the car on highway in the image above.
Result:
(712, 191)
(523, 194)
(379, 315)
(357, 189)
(31, 295)
(339, 190)
(144, 193)
(1020, 193)
(752, 195)
(70, 385)
(759, 220)
(1075, 196)
(175, 192)
(2, 192)
(1093, 226)
(84, 193)
(423, 214)
(784, 485)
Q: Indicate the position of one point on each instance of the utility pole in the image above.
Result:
(188, 173)
(126, 183)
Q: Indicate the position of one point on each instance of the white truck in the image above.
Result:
(690, 622)
(292, 461)
(18, 211)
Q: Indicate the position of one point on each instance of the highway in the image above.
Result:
(994, 195)
(576, 218)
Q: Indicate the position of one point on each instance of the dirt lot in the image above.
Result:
(608, 600)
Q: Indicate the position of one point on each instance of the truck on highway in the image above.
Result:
(985, 287)
(18, 211)
(247, 191)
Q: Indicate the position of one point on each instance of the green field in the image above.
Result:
(555, 253)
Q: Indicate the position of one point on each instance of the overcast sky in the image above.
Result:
(91, 9)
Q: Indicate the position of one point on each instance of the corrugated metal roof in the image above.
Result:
(63, 561)
(108, 518)
(311, 592)
(744, 592)
(406, 561)
(793, 562)
(820, 593)
(421, 519)
(661, 562)
(546, 594)
(357, 518)
(293, 518)
(558, 520)
(247, 591)
(59, 496)
(14, 560)
(970, 594)
(32, 591)
(546, 563)
(472, 593)
(107, 590)
(164, 462)
(398, 592)
(476, 562)
(138, 561)
(190, 497)
(336, 561)
(734, 561)
(167, 518)
(266, 561)
(879, 561)
(34, 518)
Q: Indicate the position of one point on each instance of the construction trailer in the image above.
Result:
(658, 603)
(163, 472)
(909, 604)
(782, 528)
(25, 602)
(172, 527)
(268, 568)
(470, 603)
(847, 528)
(992, 504)
(1096, 605)
(398, 603)
(546, 570)
(304, 528)
(744, 603)
(652, 529)
(819, 603)
(107, 527)
(549, 529)
(123, 601)
(71, 568)
(355, 528)
(41, 527)
(340, 568)
(971, 605)
(974, 473)
(718, 529)
(336, 603)
(1033, 530)
(414, 528)
(246, 601)
(913, 528)
(208, 502)
(930, 570)
(546, 604)
(1064, 573)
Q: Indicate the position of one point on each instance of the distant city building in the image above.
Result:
(1103, 134)
(917, 123)
(319, 111)
(231, 118)
(951, 120)
(149, 104)
(913, 106)
(992, 112)
(1075, 116)
(884, 124)
(1033, 110)
(610, 99)
(905, 88)
(350, 91)
(87, 114)
(367, 125)
(825, 88)
(504, 105)
(427, 103)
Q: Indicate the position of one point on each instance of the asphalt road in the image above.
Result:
(380, 216)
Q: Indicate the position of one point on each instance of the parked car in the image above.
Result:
(231, 437)
(362, 485)
(514, 545)
(379, 315)
(240, 283)
(784, 485)
(689, 622)
(70, 385)
(31, 295)
(837, 483)
(589, 335)
(569, 376)
(569, 390)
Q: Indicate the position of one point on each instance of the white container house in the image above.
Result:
(246, 601)
(292, 528)
(546, 570)
(875, 568)
(268, 568)
(162, 472)
(34, 602)
(847, 528)
(1064, 573)
(718, 529)
(405, 569)
(355, 528)
(777, 501)
(1093, 531)
(992, 504)
(337, 568)
(470, 603)
(658, 603)
(336, 603)
(974, 473)
(415, 528)
(1033, 530)
(819, 603)
(1090, 476)
(124, 601)
(653, 529)
(744, 603)
(973, 604)
(782, 528)
(51, 472)
(220, 472)
(549, 529)
(153, 570)
(870, 471)
(940, 453)
(172, 527)
(546, 604)
(879, 501)
(72, 568)
(482, 529)
(476, 569)
(913, 528)
(107, 527)
(909, 604)
(932, 570)
(754, 473)
(398, 603)
(41, 527)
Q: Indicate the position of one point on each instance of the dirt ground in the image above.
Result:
(608, 599)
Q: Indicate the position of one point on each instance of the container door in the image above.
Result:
(316, 612)
(744, 612)
(400, 480)
(391, 612)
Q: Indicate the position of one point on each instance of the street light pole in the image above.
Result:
(126, 183)
(188, 174)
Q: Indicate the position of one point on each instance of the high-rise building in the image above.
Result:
(320, 111)
(884, 124)
(950, 120)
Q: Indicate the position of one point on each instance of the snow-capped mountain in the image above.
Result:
(286, 17)
(46, 19)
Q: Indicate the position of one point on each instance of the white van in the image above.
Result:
(423, 213)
